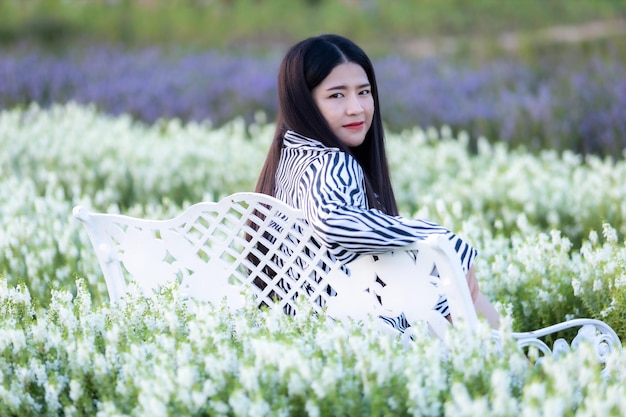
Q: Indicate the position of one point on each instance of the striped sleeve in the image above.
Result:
(332, 196)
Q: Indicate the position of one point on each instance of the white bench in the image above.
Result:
(256, 241)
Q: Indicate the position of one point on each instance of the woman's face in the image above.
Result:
(345, 100)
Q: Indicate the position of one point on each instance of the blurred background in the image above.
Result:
(537, 74)
(414, 27)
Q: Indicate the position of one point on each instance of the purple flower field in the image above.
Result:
(549, 105)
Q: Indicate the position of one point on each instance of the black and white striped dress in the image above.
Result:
(328, 186)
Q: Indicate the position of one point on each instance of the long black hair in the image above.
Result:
(303, 68)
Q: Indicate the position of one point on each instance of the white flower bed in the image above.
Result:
(157, 357)
(549, 229)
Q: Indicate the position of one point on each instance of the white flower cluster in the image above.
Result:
(157, 357)
(549, 229)
(433, 170)
(529, 215)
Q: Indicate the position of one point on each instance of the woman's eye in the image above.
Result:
(336, 95)
(364, 92)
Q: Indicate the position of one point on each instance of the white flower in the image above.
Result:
(76, 390)
(312, 408)
(240, 403)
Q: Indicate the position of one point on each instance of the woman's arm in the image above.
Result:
(333, 198)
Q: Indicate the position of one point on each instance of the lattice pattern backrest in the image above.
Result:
(213, 248)
(256, 241)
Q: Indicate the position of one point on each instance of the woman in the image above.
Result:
(328, 159)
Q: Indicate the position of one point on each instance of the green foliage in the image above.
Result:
(374, 23)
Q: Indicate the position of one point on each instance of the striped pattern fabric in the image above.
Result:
(328, 186)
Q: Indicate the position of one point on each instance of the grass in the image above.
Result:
(263, 24)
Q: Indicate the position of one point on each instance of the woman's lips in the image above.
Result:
(354, 126)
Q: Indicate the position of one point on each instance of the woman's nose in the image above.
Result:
(354, 104)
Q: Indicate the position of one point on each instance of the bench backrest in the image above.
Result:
(256, 241)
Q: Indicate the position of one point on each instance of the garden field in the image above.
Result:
(549, 228)
(499, 128)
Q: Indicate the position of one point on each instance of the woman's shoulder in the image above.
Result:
(294, 140)
(304, 151)
(303, 148)
(322, 156)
